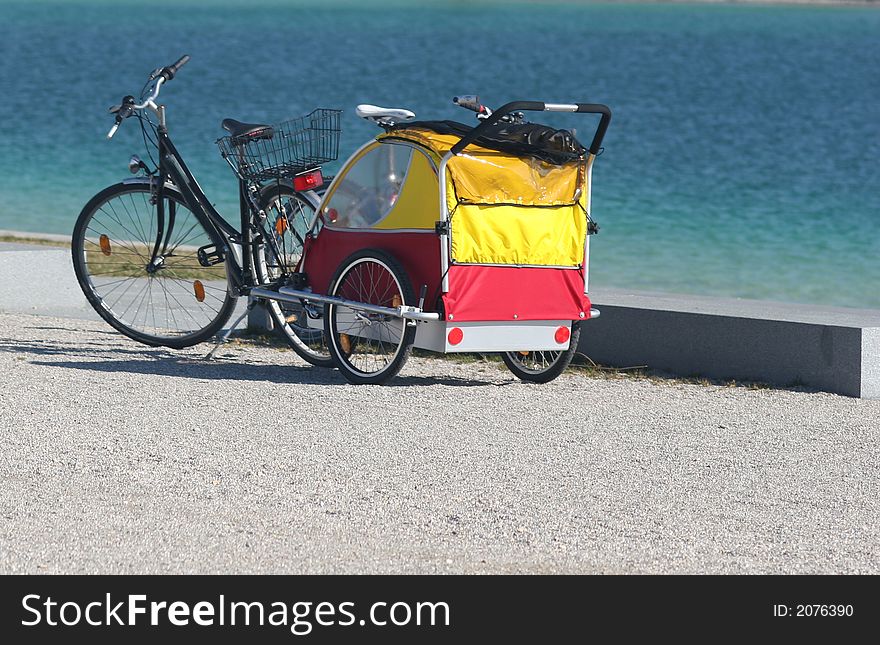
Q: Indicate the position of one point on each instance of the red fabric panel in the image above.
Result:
(497, 293)
(419, 253)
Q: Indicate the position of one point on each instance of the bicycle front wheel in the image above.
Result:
(141, 271)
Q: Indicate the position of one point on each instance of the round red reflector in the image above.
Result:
(562, 335)
(456, 335)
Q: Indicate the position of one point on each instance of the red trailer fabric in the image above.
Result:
(505, 293)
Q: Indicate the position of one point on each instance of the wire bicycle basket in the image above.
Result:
(286, 149)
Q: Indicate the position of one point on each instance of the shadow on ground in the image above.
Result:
(164, 362)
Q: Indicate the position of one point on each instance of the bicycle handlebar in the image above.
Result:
(540, 106)
(128, 106)
(168, 72)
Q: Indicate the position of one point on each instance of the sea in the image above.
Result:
(743, 159)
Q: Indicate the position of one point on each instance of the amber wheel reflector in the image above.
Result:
(199, 290)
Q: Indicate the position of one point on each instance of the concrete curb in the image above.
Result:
(828, 348)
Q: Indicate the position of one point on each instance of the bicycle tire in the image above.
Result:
(356, 339)
(288, 216)
(123, 220)
(542, 366)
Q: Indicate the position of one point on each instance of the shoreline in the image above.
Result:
(25, 237)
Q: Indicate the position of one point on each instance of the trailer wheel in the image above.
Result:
(542, 366)
(369, 348)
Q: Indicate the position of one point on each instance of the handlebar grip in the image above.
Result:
(183, 60)
(169, 72)
(469, 102)
(121, 115)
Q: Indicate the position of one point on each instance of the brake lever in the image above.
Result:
(122, 112)
(155, 73)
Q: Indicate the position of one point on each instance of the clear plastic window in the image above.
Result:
(370, 188)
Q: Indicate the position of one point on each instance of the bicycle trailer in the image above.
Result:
(489, 226)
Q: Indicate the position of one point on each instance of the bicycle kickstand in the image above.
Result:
(229, 331)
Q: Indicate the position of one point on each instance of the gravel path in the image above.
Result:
(115, 457)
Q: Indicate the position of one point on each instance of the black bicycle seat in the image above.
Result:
(247, 131)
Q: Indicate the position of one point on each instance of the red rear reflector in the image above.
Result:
(562, 335)
(456, 335)
(308, 180)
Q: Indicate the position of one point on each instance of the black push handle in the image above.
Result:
(169, 72)
(540, 106)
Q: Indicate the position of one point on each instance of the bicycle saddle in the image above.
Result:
(249, 131)
(384, 116)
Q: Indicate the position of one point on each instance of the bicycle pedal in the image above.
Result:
(210, 255)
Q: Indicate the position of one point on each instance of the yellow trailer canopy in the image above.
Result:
(508, 209)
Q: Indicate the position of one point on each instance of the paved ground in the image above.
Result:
(115, 457)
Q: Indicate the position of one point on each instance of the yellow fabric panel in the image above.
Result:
(417, 205)
(495, 178)
(485, 176)
(484, 234)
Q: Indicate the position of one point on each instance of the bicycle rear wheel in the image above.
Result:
(288, 217)
(157, 296)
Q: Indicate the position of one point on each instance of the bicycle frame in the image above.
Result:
(172, 167)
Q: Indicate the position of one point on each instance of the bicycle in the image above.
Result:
(157, 261)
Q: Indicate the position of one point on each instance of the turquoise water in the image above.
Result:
(742, 159)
